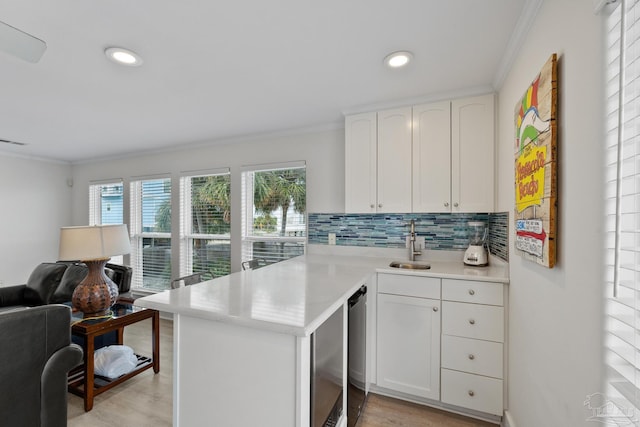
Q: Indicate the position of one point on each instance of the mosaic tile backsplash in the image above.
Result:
(441, 231)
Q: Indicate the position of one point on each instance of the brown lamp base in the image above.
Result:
(96, 293)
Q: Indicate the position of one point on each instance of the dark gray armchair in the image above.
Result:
(36, 354)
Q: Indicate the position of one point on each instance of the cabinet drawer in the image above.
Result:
(484, 322)
(472, 391)
(473, 356)
(414, 286)
(472, 291)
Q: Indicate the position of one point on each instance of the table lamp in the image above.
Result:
(94, 245)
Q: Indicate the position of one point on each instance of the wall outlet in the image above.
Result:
(419, 242)
(332, 238)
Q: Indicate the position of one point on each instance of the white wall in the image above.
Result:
(555, 315)
(36, 202)
(322, 151)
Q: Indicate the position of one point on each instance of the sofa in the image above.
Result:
(34, 368)
(54, 283)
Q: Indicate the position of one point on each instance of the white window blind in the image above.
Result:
(106, 206)
(622, 335)
(205, 219)
(274, 225)
(150, 229)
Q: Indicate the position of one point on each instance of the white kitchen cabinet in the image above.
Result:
(473, 334)
(453, 156)
(378, 162)
(472, 154)
(432, 157)
(361, 142)
(394, 160)
(408, 341)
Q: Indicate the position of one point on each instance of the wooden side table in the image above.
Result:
(82, 380)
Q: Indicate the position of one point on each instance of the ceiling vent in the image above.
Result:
(20, 44)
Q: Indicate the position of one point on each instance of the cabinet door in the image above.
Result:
(472, 154)
(360, 163)
(394, 160)
(432, 157)
(408, 345)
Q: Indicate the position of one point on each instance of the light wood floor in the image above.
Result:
(146, 400)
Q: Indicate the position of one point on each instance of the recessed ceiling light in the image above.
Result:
(398, 59)
(123, 56)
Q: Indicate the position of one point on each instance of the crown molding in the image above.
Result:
(523, 25)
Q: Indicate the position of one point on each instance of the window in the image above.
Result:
(622, 335)
(106, 206)
(150, 229)
(205, 220)
(274, 226)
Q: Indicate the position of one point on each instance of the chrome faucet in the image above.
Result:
(412, 242)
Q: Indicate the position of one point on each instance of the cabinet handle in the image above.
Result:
(372, 206)
(379, 205)
(455, 204)
(471, 321)
(471, 357)
(472, 292)
(435, 308)
(446, 204)
(471, 393)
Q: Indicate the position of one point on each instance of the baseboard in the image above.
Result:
(507, 420)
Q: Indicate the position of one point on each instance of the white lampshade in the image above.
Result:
(87, 243)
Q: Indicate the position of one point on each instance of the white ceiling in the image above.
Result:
(219, 70)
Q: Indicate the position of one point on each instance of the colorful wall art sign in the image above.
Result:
(536, 168)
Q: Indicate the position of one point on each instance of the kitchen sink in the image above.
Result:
(409, 265)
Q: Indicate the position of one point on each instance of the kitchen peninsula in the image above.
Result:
(242, 342)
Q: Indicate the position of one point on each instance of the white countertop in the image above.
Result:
(296, 296)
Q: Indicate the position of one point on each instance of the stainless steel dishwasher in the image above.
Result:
(356, 360)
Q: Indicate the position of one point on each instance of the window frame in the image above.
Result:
(95, 207)
(247, 238)
(137, 234)
(187, 236)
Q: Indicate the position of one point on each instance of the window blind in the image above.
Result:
(150, 229)
(205, 219)
(622, 222)
(106, 206)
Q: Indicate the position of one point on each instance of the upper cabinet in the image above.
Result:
(436, 157)
(361, 158)
(432, 157)
(378, 162)
(472, 154)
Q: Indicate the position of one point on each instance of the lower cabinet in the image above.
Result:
(473, 326)
(408, 344)
(470, 391)
(441, 339)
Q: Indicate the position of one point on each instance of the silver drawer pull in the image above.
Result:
(471, 357)
(472, 322)
(379, 205)
(471, 393)
(472, 292)
(435, 308)
(372, 206)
